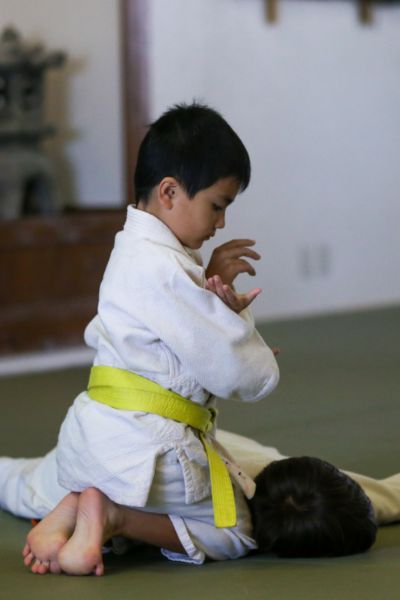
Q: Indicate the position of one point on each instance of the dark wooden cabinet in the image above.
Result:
(50, 272)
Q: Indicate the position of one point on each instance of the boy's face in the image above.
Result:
(195, 220)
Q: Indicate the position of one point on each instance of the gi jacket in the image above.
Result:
(155, 318)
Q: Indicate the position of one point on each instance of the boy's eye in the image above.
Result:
(217, 207)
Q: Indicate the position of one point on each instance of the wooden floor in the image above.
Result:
(339, 398)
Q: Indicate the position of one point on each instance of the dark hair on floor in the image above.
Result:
(306, 507)
(194, 144)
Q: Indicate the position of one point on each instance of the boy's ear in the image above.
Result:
(167, 190)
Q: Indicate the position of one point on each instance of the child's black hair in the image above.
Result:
(306, 507)
(195, 145)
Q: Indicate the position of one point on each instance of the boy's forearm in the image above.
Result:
(149, 528)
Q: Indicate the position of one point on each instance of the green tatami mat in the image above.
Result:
(339, 398)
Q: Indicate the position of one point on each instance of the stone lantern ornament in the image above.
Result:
(27, 182)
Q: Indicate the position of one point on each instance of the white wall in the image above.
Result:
(315, 98)
(84, 97)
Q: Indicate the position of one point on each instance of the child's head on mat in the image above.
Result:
(305, 507)
(193, 162)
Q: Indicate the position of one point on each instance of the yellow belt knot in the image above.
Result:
(124, 390)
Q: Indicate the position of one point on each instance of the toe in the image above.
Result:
(99, 569)
(35, 566)
(44, 567)
(55, 567)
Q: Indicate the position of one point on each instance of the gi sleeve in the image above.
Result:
(222, 350)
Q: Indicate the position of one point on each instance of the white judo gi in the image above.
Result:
(156, 319)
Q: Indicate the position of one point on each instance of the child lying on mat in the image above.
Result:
(302, 507)
(170, 337)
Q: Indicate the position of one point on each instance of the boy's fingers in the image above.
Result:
(236, 302)
(250, 296)
(219, 286)
(210, 285)
(216, 284)
(229, 293)
(238, 242)
(236, 248)
(251, 254)
(242, 266)
(238, 252)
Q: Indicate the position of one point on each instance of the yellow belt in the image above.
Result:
(127, 391)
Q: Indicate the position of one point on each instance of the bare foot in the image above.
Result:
(97, 521)
(46, 539)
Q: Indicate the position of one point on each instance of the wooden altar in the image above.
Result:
(50, 272)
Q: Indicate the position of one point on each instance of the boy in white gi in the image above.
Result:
(167, 331)
(162, 338)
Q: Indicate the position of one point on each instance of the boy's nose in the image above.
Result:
(220, 224)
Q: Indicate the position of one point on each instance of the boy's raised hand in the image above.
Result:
(236, 302)
(227, 260)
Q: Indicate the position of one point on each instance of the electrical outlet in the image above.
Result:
(315, 261)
